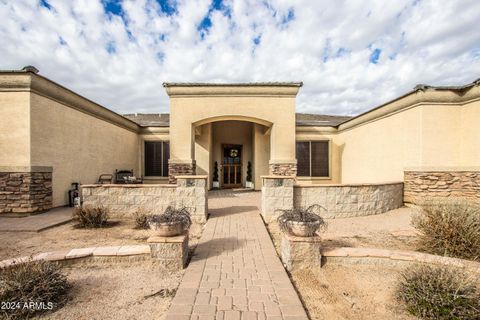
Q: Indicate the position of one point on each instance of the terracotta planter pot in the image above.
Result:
(303, 229)
(166, 229)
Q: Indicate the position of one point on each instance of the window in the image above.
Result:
(157, 154)
(313, 158)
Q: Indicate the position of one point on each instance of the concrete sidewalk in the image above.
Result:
(38, 222)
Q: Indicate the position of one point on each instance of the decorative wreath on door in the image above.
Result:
(233, 153)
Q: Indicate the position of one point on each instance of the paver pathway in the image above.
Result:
(235, 272)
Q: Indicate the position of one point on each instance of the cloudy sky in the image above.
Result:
(351, 55)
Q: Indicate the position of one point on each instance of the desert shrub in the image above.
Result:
(172, 215)
(31, 288)
(449, 227)
(141, 217)
(309, 216)
(91, 217)
(434, 292)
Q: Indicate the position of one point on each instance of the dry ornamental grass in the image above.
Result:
(30, 288)
(431, 292)
(449, 227)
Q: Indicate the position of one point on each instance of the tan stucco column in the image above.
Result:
(182, 138)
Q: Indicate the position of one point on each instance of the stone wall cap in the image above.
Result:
(445, 168)
(26, 169)
(277, 177)
(147, 185)
(347, 184)
(192, 177)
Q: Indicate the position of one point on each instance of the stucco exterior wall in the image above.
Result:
(190, 107)
(261, 154)
(14, 129)
(203, 151)
(78, 146)
(470, 134)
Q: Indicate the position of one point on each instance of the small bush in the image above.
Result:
(431, 292)
(31, 288)
(449, 227)
(141, 218)
(91, 217)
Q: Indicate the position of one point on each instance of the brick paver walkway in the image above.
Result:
(235, 272)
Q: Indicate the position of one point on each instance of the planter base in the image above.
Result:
(301, 252)
(170, 252)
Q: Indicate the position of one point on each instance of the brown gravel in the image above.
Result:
(68, 237)
(116, 291)
(349, 292)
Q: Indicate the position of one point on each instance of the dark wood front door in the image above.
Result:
(232, 166)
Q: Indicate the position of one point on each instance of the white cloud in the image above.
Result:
(121, 61)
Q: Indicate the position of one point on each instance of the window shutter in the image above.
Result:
(303, 158)
(320, 157)
(153, 158)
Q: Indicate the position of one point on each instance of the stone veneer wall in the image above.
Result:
(341, 201)
(180, 169)
(25, 192)
(277, 193)
(433, 184)
(124, 200)
(283, 169)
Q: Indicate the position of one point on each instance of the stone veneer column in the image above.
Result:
(180, 168)
(283, 169)
(192, 193)
(277, 193)
(301, 252)
(429, 183)
(25, 190)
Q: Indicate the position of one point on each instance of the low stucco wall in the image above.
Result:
(438, 183)
(124, 200)
(350, 200)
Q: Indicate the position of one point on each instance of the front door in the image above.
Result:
(232, 166)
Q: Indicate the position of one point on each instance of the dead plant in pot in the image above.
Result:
(172, 222)
(301, 222)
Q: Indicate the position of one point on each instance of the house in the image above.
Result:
(50, 137)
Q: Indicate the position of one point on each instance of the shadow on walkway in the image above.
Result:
(217, 247)
(221, 212)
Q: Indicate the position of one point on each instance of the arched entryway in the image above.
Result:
(237, 148)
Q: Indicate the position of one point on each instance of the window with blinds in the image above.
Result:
(313, 158)
(157, 154)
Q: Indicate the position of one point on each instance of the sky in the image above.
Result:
(351, 55)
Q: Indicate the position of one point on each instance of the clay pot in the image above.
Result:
(303, 229)
(166, 229)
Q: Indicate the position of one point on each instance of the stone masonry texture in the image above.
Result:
(235, 272)
(341, 201)
(180, 169)
(283, 169)
(25, 192)
(277, 194)
(125, 200)
(440, 184)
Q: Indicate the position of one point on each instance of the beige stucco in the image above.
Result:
(14, 129)
(269, 106)
(78, 146)
(46, 125)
